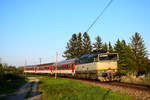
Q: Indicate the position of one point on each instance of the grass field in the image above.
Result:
(63, 89)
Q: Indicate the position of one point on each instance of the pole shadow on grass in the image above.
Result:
(103, 98)
(36, 96)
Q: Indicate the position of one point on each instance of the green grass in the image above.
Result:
(9, 86)
(63, 89)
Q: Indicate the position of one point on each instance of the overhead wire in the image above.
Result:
(109, 3)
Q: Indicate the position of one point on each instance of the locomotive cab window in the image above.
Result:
(108, 57)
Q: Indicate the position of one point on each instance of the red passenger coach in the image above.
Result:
(30, 69)
(44, 68)
(65, 68)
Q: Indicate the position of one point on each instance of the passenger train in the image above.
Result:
(101, 66)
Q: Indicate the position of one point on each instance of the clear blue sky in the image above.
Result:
(30, 29)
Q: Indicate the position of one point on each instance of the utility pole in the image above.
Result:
(56, 65)
(25, 62)
(40, 60)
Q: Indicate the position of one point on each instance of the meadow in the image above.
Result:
(64, 89)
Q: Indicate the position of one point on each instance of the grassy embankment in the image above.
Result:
(63, 89)
(138, 80)
(11, 83)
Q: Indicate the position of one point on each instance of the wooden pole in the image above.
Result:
(56, 65)
(25, 62)
(40, 60)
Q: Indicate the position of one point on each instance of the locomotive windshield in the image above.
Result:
(110, 56)
(89, 58)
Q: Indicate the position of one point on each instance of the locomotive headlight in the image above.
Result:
(115, 70)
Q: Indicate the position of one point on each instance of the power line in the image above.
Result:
(99, 15)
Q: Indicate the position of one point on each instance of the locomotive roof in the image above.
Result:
(87, 56)
(92, 55)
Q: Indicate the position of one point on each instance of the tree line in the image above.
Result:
(133, 56)
(10, 73)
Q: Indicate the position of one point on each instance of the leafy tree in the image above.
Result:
(67, 54)
(20, 70)
(79, 45)
(110, 47)
(139, 52)
(104, 48)
(1, 71)
(98, 44)
(125, 63)
(71, 48)
(118, 47)
(87, 47)
(129, 59)
(146, 65)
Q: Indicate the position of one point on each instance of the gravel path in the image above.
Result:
(22, 92)
(35, 95)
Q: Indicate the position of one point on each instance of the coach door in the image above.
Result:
(73, 68)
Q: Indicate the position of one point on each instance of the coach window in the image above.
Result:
(71, 66)
(47, 68)
(66, 66)
(62, 67)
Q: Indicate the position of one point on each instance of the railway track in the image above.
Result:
(130, 85)
(135, 90)
(120, 84)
